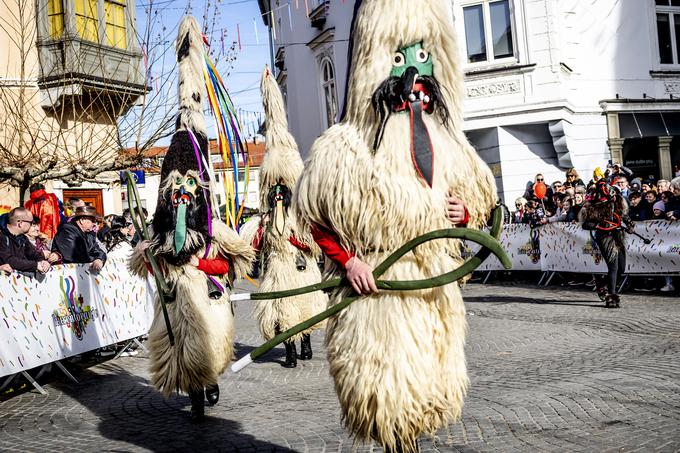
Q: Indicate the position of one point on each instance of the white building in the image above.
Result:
(549, 84)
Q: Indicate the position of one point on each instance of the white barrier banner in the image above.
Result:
(567, 247)
(70, 312)
(521, 243)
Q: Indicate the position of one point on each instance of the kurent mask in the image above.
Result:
(183, 196)
(411, 87)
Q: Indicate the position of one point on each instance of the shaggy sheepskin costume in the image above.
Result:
(200, 312)
(288, 254)
(397, 358)
(605, 214)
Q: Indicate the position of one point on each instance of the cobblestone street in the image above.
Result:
(550, 370)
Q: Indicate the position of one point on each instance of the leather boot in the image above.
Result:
(197, 406)
(212, 394)
(611, 301)
(602, 293)
(291, 355)
(305, 348)
(615, 301)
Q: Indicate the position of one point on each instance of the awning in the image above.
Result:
(649, 124)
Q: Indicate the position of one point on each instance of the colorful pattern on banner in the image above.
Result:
(522, 245)
(567, 247)
(70, 312)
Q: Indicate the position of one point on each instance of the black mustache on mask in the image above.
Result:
(285, 193)
(196, 219)
(390, 96)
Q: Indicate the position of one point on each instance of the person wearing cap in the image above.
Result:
(659, 210)
(15, 248)
(597, 175)
(76, 242)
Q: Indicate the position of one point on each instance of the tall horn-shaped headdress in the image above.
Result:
(184, 197)
(282, 162)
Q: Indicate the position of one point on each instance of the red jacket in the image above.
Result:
(45, 206)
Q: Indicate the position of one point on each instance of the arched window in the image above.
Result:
(330, 98)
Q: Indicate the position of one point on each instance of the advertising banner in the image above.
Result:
(522, 245)
(70, 311)
(567, 247)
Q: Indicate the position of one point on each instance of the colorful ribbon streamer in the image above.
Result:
(229, 141)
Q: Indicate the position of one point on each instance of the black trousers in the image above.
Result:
(614, 255)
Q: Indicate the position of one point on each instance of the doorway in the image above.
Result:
(92, 197)
(641, 155)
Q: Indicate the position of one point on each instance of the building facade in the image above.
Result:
(550, 84)
(70, 70)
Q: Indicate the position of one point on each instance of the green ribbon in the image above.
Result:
(489, 245)
(138, 220)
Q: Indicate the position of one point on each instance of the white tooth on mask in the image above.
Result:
(412, 97)
(421, 95)
(426, 99)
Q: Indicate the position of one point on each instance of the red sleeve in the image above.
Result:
(466, 219)
(257, 239)
(330, 245)
(216, 266)
(298, 244)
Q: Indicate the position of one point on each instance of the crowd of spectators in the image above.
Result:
(559, 201)
(46, 232)
(562, 201)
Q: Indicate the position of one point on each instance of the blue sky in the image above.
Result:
(224, 17)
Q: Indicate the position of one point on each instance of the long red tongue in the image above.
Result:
(422, 152)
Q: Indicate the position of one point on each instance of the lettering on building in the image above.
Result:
(672, 87)
(493, 89)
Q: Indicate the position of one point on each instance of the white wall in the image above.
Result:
(571, 54)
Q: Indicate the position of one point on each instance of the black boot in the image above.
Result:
(612, 301)
(617, 301)
(291, 355)
(602, 292)
(212, 394)
(197, 406)
(305, 348)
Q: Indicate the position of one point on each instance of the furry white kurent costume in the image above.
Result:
(288, 254)
(183, 229)
(397, 358)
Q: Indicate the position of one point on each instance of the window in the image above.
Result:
(330, 98)
(55, 13)
(668, 30)
(86, 19)
(488, 31)
(115, 24)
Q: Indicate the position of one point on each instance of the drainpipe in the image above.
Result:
(271, 42)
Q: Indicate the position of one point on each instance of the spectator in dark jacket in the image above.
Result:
(673, 206)
(573, 178)
(638, 209)
(76, 241)
(15, 248)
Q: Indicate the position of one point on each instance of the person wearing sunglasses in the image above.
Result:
(15, 248)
